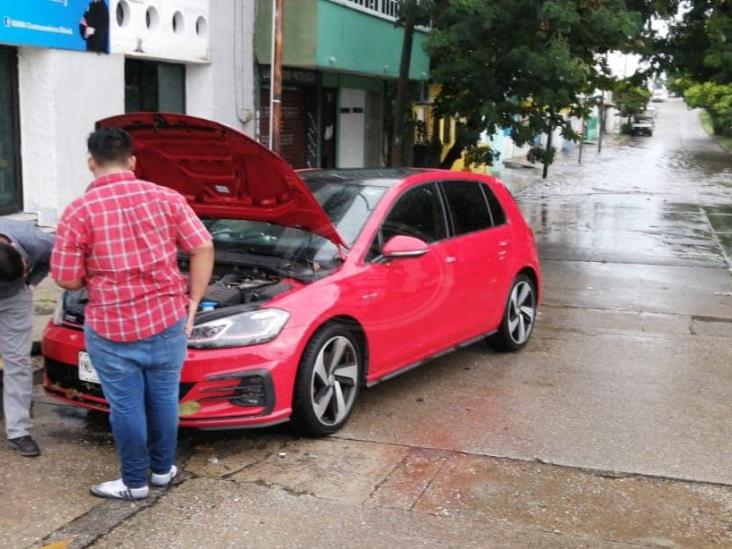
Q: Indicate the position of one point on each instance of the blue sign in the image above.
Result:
(64, 24)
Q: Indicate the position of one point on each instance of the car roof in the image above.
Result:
(377, 177)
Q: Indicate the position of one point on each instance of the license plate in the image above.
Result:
(86, 369)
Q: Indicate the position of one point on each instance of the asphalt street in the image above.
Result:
(612, 428)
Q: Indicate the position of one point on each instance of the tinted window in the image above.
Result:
(417, 213)
(499, 216)
(468, 206)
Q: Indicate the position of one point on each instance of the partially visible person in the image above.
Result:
(94, 26)
(25, 253)
(120, 240)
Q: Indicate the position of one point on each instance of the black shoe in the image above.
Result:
(25, 446)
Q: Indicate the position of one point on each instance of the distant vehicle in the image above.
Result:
(643, 124)
(659, 96)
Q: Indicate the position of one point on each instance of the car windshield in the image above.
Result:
(347, 206)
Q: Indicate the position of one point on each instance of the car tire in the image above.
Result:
(328, 381)
(519, 316)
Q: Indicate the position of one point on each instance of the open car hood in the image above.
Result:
(221, 172)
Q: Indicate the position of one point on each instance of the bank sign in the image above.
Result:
(65, 24)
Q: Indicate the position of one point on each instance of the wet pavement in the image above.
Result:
(613, 427)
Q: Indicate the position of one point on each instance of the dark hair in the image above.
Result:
(12, 266)
(109, 146)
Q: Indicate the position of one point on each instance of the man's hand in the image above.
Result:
(192, 309)
(201, 265)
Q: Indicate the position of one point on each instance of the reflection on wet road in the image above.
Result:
(660, 200)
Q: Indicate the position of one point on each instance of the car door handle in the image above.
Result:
(450, 259)
(370, 297)
(504, 244)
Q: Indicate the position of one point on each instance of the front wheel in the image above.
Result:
(327, 381)
(518, 319)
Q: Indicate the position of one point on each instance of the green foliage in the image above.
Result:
(526, 65)
(629, 98)
(700, 43)
(717, 100)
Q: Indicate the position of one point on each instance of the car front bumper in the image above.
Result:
(219, 388)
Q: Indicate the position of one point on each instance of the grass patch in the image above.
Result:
(706, 122)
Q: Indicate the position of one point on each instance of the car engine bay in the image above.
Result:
(244, 286)
(230, 286)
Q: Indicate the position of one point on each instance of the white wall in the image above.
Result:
(186, 42)
(62, 95)
(224, 89)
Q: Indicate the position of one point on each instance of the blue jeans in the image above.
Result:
(141, 381)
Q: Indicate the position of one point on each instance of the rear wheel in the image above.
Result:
(327, 381)
(518, 319)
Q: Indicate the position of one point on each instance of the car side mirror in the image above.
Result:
(400, 247)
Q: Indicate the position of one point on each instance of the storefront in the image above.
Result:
(300, 129)
(10, 170)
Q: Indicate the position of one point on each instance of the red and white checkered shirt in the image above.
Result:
(122, 237)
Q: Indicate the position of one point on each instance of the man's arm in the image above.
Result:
(201, 267)
(39, 256)
(68, 261)
(193, 237)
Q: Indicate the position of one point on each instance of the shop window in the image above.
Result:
(10, 188)
(154, 86)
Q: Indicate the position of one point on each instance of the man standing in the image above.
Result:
(120, 240)
(25, 252)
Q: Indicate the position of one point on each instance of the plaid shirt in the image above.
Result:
(121, 237)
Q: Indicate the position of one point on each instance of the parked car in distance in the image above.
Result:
(659, 95)
(643, 124)
(325, 282)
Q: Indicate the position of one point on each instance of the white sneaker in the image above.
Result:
(117, 489)
(161, 481)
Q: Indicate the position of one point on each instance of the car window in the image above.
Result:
(468, 206)
(497, 212)
(418, 213)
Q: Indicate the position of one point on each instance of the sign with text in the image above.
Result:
(65, 24)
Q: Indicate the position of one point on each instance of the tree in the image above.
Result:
(524, 65)
(699, 44)
(630, 98)
(717, 100)
(411, 14)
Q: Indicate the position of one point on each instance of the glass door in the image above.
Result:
(10, 188)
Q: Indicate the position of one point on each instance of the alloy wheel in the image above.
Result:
(521, 312)
(334, 381)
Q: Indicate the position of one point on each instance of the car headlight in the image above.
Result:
(239, 330)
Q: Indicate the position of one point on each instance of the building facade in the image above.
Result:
(57, 78)
(339, 57)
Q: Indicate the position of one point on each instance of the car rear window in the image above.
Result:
(468, 206)
(497, 213)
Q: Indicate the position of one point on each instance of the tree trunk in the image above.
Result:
(455, 152)
(549, 139)
(400, 106)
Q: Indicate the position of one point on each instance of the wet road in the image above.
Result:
(613, 427)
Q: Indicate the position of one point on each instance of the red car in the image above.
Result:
(325, 281)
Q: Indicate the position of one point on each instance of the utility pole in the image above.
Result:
(601, 122)
(275, 78)
(582, 140)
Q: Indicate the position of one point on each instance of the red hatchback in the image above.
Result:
(325, 281)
